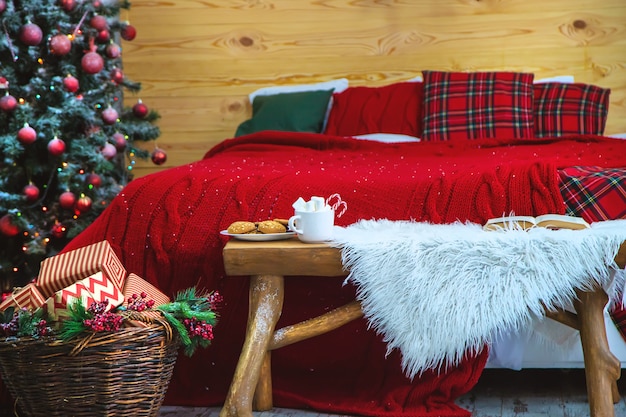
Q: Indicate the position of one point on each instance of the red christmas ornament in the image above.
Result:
(108, 151)
(103, 36)
(31, 192)
(128, 32)
(67, 200)
(3, 5)
(26, 135)
(113, 51)
(7, 227)
(60, 45)
(92, 63)
(117, 75)
(68, 5)
(109, 115)
(56, 147)
(94, 179)
(71, 84)
(159, 156)
(140, 110)
(99, 22)
(83, 204)
(8, 103)
(119, 141)
(58, 230)
(31, 34)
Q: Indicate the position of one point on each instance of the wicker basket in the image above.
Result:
(124, 373)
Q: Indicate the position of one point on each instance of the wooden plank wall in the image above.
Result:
(197, 60)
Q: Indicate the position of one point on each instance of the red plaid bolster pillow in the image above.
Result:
(395, 108)
(477, 105)
(566, 109)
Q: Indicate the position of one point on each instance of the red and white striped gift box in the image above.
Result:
(95, 288)
(24, 297)
(63, 270)
(134, 284)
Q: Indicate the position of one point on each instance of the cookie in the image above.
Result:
(271, 226)
(284, 222)
(241, 227)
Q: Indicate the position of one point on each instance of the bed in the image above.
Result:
(440, 148)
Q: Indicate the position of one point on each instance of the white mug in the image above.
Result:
(313, 226)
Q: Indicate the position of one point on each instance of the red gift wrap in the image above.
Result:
(24, 297)
(63, 270)
(96, 288)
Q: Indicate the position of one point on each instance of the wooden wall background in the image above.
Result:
(197, 60)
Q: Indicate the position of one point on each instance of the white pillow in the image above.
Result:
(618, 135)
(563, 79)
(337, 86)
(388, 137)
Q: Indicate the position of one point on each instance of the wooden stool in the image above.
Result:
(251, 387)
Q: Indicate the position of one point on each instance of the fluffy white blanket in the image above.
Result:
(438, 291)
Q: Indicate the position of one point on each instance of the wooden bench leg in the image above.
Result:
(602, 368)
(266, 304)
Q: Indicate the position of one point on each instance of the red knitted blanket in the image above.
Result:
(165, 228)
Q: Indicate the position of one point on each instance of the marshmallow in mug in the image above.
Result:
(315, 204)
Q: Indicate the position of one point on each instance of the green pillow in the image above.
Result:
(292, 112)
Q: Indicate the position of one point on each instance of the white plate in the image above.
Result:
(258, 237)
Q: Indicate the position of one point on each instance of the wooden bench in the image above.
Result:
(251, 387)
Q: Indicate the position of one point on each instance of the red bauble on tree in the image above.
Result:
(103, 36)
(92, 63)
(8, 103)
(71, 83)
(26, 135)
(140, 110)
(3, 5)
(94, 179)
(60, 45)
(67, 200)
(113, 51)
(108, 151)
(7, 226)
(158, 156)
(117, 75)
(83, 204)
(68, 5)
(31, 34)
(128, 32)
(109, 115)
(119, 141)
(99, 22)
(31, 192)
(56, 147)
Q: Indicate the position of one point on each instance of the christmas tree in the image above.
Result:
(67, 135)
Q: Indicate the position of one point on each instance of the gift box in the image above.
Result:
(95, 288)
(24, 297)
(134, 284)
(61, 271)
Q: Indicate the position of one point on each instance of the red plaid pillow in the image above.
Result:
(566, 109)
(395, 108)
(477, 105)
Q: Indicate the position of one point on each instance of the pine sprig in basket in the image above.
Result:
(193, 316)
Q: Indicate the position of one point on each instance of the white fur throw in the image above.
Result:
(438, 291)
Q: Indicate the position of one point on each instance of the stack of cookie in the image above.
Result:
(265, 227)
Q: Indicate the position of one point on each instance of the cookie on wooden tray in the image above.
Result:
(271, 226)
(241, 227)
